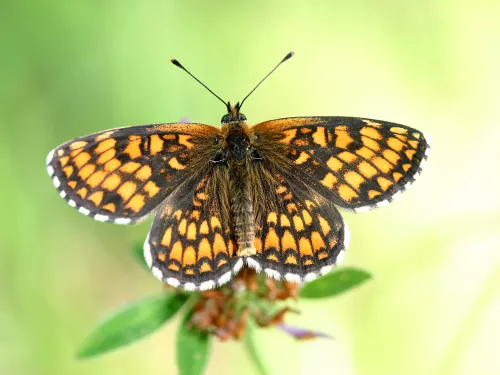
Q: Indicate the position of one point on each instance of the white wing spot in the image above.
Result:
(310, 276)
(123, 220)
(347, 235)
(272, 273)
(293, 278)
(190, 286)
(224, 278)
(173, 282)
(426, 137)
(50, 170)
(238, 265)
(147, 253)
(62, 193)
(157, 273)
(363, 209)
(252, 263)
(325, 269)
(396, 196)
(72, 203)
(340, 257)
(383, 203)
(84, 211)
(56, 181)
(50, 156)
(103, 218)
(210, 284)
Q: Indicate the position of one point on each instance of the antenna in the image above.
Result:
(178, 64)
(289, 55)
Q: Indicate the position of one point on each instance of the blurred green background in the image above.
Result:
(70, 68)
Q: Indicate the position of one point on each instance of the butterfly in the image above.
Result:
(263, 196)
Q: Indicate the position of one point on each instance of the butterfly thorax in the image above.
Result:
(236, 140)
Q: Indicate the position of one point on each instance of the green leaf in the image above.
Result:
(192, 349)
(251, 346)
(138, 255)
(334, 283)
(131, 323)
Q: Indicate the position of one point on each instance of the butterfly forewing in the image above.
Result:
(121, 175)
(355, 163)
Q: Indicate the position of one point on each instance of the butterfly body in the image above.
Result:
(237, 151)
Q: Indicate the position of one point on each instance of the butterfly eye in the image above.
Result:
(225, 119)
(242, 117)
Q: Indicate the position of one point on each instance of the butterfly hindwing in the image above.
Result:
(121, 175)
(355, 163)
(191, 243)
(300, 236)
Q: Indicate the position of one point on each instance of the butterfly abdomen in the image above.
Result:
(242, 210)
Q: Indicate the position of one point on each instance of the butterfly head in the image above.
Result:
(233, 114)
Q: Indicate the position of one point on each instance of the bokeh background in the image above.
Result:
(72, 68)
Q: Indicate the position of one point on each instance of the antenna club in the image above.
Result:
(176, 63)
(289, 55)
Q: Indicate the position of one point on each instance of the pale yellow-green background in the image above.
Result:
(69, 68)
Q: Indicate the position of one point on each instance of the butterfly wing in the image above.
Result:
(191, 244)
(121, 175)
(299, 235)
(357, 164)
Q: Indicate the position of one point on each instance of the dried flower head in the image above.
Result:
(224, 312)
